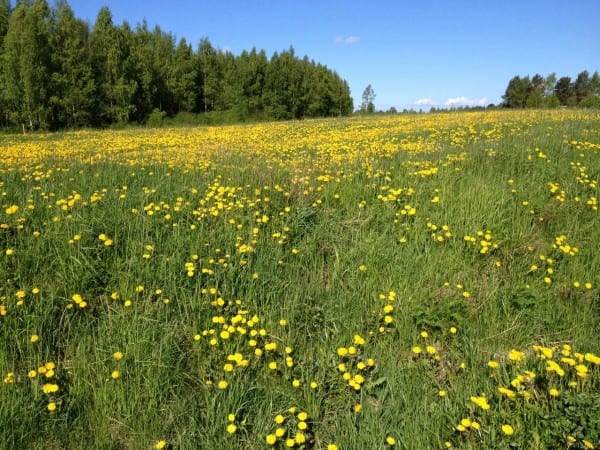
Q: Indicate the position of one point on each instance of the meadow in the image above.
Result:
(417, 281)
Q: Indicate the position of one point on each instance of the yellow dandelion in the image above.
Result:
(508, 430)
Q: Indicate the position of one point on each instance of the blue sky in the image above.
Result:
(415, 54)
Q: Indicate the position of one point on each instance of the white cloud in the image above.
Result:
(465, 101)
(347, 40)
(425, 102)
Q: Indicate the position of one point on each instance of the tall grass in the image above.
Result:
(188, 286)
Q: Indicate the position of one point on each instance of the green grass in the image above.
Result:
(305, 268)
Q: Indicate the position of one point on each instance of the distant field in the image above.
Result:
(420, 282)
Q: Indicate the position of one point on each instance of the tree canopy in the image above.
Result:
(539, 91)
(56, 72)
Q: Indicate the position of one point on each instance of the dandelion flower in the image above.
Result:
(508, 430)
(358, 340)
(516, 355)
(300, 438)
(481, 402)
(49, 388)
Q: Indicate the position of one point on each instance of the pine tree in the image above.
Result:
(110, 52)
(5, 11)
(182, 77)
(4, 18)
(211, 75)
(72, 82)
(26, 65)
(582, 85)
(56, 73)
(565, 91)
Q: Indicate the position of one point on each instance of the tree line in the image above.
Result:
(59, 72)
(550, 92)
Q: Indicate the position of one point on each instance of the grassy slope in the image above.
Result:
(167, 384)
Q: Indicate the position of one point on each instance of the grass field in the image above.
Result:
(420, 282)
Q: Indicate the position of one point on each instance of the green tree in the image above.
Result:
(140, 70)
(55, 73)
(251, 70)
(550, 98)
(110, 52)
(535, 92)
(231, 97)
(279, 86)
(343, 99)
(4, 18)
(162, 47)
(516, 92)
(595, 84)
(182, 76)
(211, 75)
(368, 97)
(72, 81)
(5, 11)
(582, 86)
(321, 93)
(592, 99)
(549, 84)
(565, 91)
(26, 65)
(285, 85)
